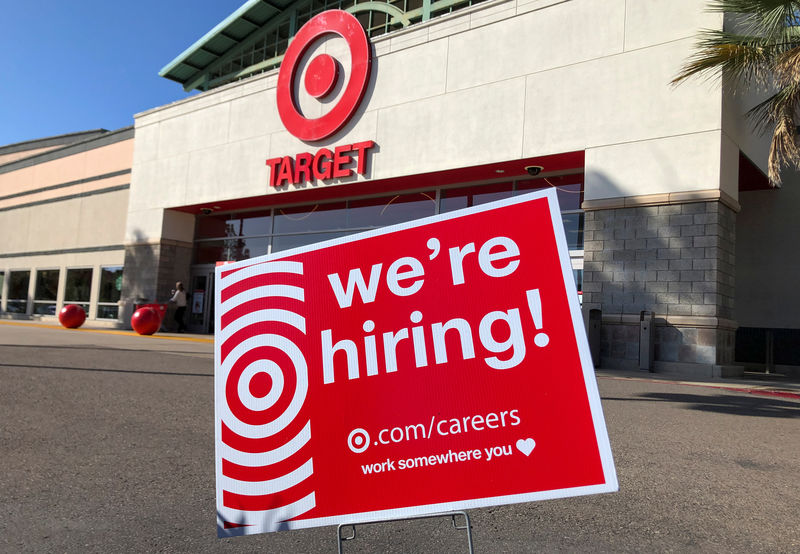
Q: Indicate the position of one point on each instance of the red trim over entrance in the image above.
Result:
(511, 169)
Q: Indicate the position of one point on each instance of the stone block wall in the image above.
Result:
(675, 344)
(175, 263)
(676, 260)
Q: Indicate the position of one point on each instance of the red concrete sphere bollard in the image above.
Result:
(71, 316)
(145, 321)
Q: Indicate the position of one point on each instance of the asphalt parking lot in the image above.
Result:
(107, 445)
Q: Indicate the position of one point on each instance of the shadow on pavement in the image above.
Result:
(725, 404)
(105, 370)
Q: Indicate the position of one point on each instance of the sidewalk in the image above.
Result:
(767, 385)
(89, 328)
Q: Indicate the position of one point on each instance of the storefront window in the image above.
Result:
(568, 187)
(285, 242)
(466, 197)
(110, 287)
(573, 228)
(388, 210)
(234, 225)
(78, 287)
(319, 217)
(243, 248)
(249, 224)
(578, 274)
(44, 299)
(18, 282)
(208, 252)
(239, 236)
(301, 226)
(107, 312)
(230, 250)
(570, 197)
(211, 226)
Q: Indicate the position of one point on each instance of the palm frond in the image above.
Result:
(777, 113)
(788, 65)
(745, 58)
(760, 48)
(766, 18)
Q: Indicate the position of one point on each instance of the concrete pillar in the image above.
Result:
(676, 260)
(151, 269)
(153, 265)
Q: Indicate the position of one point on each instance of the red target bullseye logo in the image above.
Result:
(322, 75)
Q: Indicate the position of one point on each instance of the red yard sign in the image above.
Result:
(436, 365)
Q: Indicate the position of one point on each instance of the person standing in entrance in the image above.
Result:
(179, 297)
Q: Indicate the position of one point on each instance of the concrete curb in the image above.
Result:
(789, 390)
(106, 331)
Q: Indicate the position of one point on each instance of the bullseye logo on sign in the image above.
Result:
(435, 365)
(322, 78)
(322, 75)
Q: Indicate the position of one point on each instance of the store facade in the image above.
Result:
(662, 198)
(63, 205)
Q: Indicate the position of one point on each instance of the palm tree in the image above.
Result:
(763, 52)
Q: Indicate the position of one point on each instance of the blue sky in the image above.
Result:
(88, 64)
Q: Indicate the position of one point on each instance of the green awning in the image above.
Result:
(192, 65)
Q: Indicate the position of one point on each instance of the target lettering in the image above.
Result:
(306, 167)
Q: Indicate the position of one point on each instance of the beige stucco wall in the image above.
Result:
(78, 221)
(83, 232)
(52, 194)
(14, 156)
(504, 80)
(98, 161)
(83, 222)
(80, 208)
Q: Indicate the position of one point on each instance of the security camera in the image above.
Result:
(533, 170)
(206, 211)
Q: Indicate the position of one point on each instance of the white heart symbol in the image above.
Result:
(526, 446)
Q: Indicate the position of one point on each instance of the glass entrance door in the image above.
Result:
(200, 317)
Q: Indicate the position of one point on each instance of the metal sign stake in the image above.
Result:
(452, 515)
